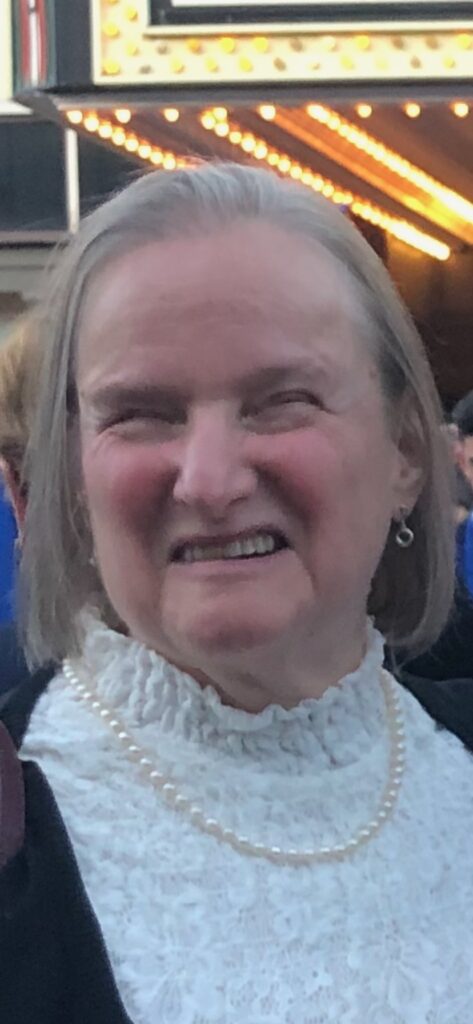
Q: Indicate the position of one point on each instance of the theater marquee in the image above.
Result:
(208, 42)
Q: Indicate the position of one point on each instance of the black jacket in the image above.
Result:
(13, 668)
(54, 968)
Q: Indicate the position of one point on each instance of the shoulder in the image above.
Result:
(13, 668)
(449, 703)
(21, 691)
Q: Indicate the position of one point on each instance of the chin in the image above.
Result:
(224, 637)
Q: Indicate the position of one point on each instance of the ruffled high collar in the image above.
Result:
(153, 695)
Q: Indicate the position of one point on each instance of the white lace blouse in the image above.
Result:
(200, 934)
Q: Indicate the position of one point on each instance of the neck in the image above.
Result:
(285, 675)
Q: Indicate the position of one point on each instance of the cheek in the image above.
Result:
(124, 483)
(304, 468)
(336, 483)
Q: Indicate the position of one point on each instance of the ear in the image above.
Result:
(410, 473)
(15, 492)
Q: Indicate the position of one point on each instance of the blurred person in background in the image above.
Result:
(451, 657)
(18, 383)
(462, 419)
(462, 422)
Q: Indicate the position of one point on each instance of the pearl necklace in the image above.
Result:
(165, 785)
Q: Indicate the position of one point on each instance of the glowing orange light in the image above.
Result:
(171, 114)
(412, 110)
(364, 110)
(460, 109)
(123, 115)
(267, 111)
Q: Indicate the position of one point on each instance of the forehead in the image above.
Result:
(252, 284)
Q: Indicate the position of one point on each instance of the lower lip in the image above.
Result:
(230, 566)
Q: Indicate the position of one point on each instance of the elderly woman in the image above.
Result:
(240, 487)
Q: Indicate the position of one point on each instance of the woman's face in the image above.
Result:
(238, 468)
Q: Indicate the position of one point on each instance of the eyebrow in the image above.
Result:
(115, 395)
(274, 376)
(112, 396)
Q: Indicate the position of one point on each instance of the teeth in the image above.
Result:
(260, 544)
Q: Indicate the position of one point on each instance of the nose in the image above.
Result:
(212, 472)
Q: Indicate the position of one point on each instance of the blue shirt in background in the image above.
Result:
(7, 558)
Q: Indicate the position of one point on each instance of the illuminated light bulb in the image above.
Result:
(273, 159)
(460, 109)
(220, 113)
(317, 112)
(91, 123)
(363, 42)
(296, 172)
(110, 29)
(131, 12)
(284, 164)
(412, 109)
(245, 63)
(333, 122)
(317, 184)
(131, 143)
(261, 151)
(328, 190)
(267, 111)
(227, 44)
(169, 162)
(131, 48)
(118, 137)
(307, 178)
(156, 157)
(211, 64)
(177, 65)
(123, 115)
(248, 143)
(74, 116)
(111, 66)
(144, 150)
(465, 41)
(235, 137)
(105, 130)
(207, 121)
(222, 130)
(261, 44)
(171, 114)
(364, 110)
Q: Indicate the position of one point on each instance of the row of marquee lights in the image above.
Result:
(381, 154)
(413, 110)
(391, 160)
(126, 39)
(216, 120)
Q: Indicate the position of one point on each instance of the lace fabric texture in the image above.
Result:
(199, 934)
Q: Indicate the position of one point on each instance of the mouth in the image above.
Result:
(258, 544)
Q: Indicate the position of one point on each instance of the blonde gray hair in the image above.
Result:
(412, 589)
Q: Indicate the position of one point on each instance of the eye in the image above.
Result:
(166, 416)
(282, 410)
(283, 401)
(293, 397)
